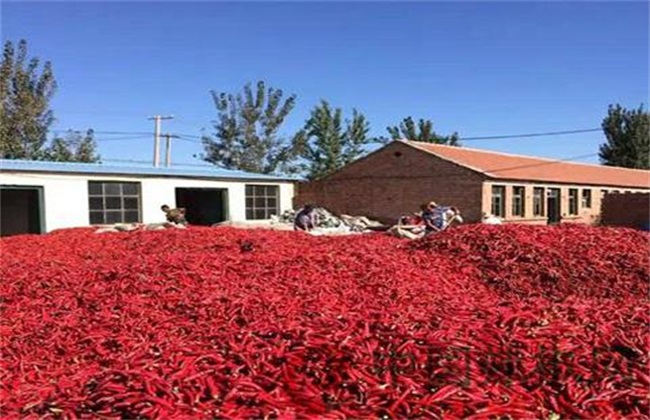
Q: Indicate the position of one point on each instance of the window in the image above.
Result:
(573, 201)
(114, 202)
(518, 196)
(538, 201)
(586, 199)
(603, 193)
(262, 201)
(498, 200)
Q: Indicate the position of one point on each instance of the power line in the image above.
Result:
(121, 138)
(126, 160)
(191, 140)
(130, 137)
(143, 133)
(138, 133)
(544, 134)
(495, 137)
(504, 136)
(191, 136)
(148, 133)
(149, 163)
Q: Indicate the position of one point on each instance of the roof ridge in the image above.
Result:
(528, 157)
(416, 144)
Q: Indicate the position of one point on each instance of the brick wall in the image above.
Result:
(398, 178)
(586, 214)
(631, 210)
(393, 181)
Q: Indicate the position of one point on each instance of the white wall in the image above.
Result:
(66, 195)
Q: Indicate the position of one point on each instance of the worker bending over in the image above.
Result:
(306, 218)
(176, 216)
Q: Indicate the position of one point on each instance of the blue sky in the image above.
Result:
(478, 68)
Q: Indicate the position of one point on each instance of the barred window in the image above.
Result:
(262, 201)
(498, 200)
(518, 195)
(573, 201)
(538, 201)
(114, 202)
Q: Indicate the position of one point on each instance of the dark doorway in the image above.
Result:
(204, 206)
(553, 205)
(21, 210)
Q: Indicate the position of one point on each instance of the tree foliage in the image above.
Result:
(628, 138)
(74, 147)
(247, 128)
(25, 92)
(422, 131)
(325, 144)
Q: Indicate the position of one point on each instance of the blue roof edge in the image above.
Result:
(104, 169)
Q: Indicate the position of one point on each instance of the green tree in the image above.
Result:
(74, 147)
(325, 145)
(25, 93)
(423, 131)
(628, 138)
(247, 128)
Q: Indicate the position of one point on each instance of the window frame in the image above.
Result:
(252, 211)
(586, 200)
(502, 200)
(518, 201)
(538, 201)
(573, 201)
(117, 201)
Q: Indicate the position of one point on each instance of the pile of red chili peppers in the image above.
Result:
(478, 322)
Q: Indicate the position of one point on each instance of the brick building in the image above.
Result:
(628, 210)
(399, 177)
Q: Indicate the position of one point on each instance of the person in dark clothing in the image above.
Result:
(438, 218)
(429, 217)
(176, 216)
(306, 218)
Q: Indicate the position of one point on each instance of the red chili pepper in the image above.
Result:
(476, 321)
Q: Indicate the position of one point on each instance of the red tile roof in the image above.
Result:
(523, 168)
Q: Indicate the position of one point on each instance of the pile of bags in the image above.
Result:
(329, 223)
(128, 227)
(360, 223)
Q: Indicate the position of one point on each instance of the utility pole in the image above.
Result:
(156, 137)
(168, 149)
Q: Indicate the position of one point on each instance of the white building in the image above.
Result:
(38, 197)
